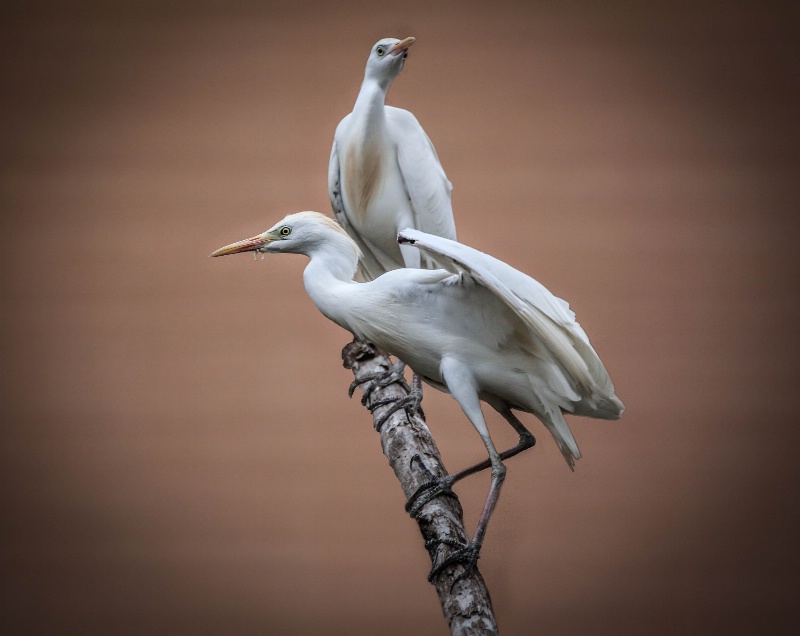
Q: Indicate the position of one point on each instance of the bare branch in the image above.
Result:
(465, 601)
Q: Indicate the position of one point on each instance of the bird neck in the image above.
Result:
(329, 275)
(371, 99)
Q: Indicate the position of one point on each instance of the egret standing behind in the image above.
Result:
(480, 331)
(384, 175)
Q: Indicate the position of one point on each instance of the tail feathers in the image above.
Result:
(603, 408)
(616, 408)
(554, 421)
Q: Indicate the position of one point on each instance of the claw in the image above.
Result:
(411, 403)
(453, 543)
(415, 393)
(423, 467)
(431, 489)
(396, 406)
(357, 383)
(468, 555)
(378, 380)
(428, 492)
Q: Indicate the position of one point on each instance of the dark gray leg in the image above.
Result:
(461, 384)
(436, 487)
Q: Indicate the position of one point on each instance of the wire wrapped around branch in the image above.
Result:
(406, 441)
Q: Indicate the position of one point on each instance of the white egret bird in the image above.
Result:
(479, 330)
(384, 175)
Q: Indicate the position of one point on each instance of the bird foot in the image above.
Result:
(393, 374)
(467, 554)
(411, 404)
(430, 490)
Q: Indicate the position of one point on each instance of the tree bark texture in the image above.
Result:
(404, 435)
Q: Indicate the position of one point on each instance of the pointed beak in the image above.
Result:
(248, 245)
(402, 46)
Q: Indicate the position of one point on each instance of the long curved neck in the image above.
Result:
(328, 277)
(371, 100)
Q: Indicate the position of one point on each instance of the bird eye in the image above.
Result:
(380, 50)
(285, 231)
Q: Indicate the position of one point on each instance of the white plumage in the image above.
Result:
(479, 329)
(384, 174)
(547, 364)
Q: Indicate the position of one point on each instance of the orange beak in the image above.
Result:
(402, 46)
(247, 245)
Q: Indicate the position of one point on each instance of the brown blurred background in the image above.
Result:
(163, 468)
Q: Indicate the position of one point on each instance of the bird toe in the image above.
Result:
(467, 555)
(437, 487)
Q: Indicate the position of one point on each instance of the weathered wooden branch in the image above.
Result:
(465, 601)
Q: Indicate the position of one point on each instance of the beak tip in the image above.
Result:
(402, 45)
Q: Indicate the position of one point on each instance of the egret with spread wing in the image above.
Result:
(384, 175)
(479, 330)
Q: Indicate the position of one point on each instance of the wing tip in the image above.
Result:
(404, 240)
(403, 237)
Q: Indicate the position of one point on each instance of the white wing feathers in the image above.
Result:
(546, 315)
(426, 183)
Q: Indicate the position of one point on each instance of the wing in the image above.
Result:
(425, 181)
(547, 316)
(370, 267)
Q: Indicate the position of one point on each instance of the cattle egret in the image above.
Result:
(479, 330)
(384, 175)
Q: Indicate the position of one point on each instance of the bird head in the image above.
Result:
(386, 59)
(298, 233)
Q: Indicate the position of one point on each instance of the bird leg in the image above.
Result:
(435, 487)
(462, 386)
(470, 553)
